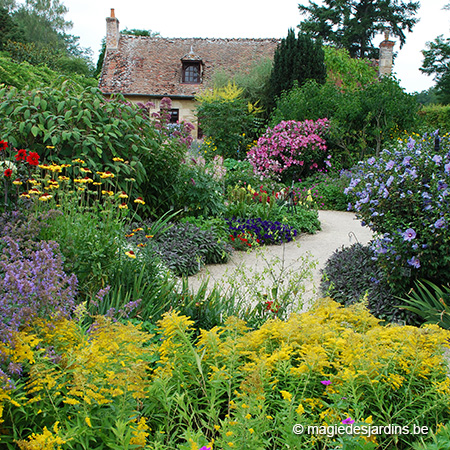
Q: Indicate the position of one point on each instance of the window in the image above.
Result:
(174, 115)
(191, 72)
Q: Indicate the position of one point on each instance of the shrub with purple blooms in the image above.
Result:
(403, 196)
(291, 149)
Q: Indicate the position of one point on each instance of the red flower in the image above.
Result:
(33, 159)
(21, 155)
(3, 145)
(8, 173)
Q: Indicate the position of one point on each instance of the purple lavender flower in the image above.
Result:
(447, 168)
(437, 159)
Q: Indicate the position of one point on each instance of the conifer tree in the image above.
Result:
(296, 60)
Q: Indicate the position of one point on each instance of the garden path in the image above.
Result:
(339, 228)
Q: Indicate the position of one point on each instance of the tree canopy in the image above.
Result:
(437, 63)
(352, 24)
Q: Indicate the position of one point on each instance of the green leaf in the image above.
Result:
(34, 130)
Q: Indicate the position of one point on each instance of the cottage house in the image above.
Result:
(146, 68)
(149, 68)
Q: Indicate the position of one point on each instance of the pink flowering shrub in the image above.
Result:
(291, 149)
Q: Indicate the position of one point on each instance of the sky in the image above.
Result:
(243, 19)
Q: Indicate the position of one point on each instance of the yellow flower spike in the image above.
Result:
(88, 422)
(286, 395)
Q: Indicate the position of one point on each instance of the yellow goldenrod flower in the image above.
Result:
(286, 395)
(251, 430)
(88, 421)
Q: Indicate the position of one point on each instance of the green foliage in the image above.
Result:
(430, 302)
(352, 24)
(9, 29)
(428, 97)
(54, 58)
(200, 187)
(362, 121)
(329, 189)
(436, 117)
(439, 440)
(183, 248)
(81, 123)
(351, 275)
(348, 73)
(296, 59)
(24, 74)
(226, 118)
(254, 83)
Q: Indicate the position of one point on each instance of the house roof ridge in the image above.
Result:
(130, 36)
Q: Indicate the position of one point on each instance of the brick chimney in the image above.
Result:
(386, 56)
(112, 31)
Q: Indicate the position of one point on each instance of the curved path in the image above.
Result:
(339, 228)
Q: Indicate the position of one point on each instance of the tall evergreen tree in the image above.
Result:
(296, 60)
(352, 24)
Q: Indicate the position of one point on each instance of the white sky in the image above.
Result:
(243, 19)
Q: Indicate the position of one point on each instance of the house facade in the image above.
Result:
(146, 68)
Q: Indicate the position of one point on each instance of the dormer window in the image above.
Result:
(192, 68)
(191, 72)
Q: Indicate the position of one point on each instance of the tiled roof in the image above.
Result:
(144, 65)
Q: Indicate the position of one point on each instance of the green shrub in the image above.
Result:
(66, 121)
(183, 248)
(436, 117)
(351, 274)
(200, 186)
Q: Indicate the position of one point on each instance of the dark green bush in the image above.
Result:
(351, 273)
(183, 248)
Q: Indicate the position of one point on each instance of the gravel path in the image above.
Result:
(339, 228)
